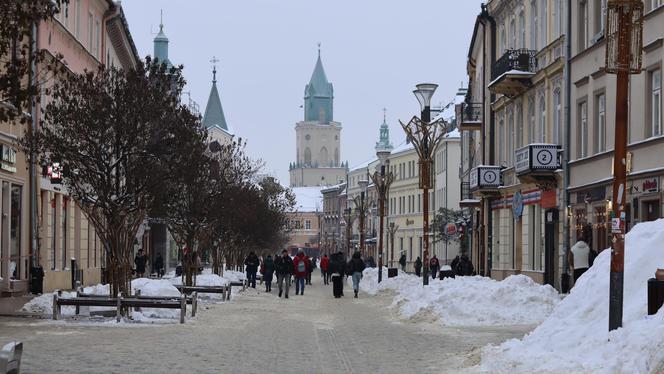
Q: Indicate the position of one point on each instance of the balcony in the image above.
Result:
(537, 163)
(470, 115)
(467, 199)
(511, 74)
(485, 179)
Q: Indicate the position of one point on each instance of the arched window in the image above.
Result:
(307, 156)
(542, 119)
(543, 15)
(510, 138)
(503, 40)
(513, 33)
(501, 140)
(522, 30)
(336, 157)
(557, 112)
(323, 157)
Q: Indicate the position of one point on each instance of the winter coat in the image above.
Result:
(159, 263)
(301, 258)
(356, 265)
(283, 265)
(402, 260)
(418, 264)
(337, 264)
(433, 263)
(324, 263)
(268, 267)
(140, 262)
(251, 263)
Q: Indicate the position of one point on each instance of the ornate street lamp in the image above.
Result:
(624, 47)
(425, 136)
(382, 181)
(361, 209)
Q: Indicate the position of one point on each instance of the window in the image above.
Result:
(533, 24)
(77, 25)
(600, 14)
(501, 141)
(307, 225)
(543, 31)
(54, 230)
(656, 102)
(531, 120)
(15, 231)
(654, 4)
(503, 41)
(97, 41)
(510, 138)
(583, 130)
(522, 33)
(519, 125)
(557, 114)
(557, 18)
(90, 31)
(583, 25)
(307, 156)
(600, 123)
(298, 225)
(542, 120)
(65, 15)
(513, 33)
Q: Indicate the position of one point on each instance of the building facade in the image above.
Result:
(593, 95)
(318, 137)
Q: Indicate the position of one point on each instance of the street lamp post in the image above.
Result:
(349, 228)
(425, 136)
(623, 57)
(382, 181)
(361, 208)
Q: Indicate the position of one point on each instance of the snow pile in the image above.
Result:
(467, 301)
(575, 337)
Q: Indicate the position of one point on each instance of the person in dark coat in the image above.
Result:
(268, 270)
(418, 266)
(402, 262)
(251, 266)
(357, 266)
(140, 261)
(284, 268)
(337, 269)
(312, 261)
(159, 265)
(434, 265)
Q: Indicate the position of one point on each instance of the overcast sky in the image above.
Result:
(374, 52)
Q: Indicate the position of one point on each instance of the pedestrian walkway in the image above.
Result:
(259, 333)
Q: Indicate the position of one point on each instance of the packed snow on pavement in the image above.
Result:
(466, 301)
(575, 338)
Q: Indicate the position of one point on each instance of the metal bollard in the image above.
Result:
(183, 307)
(55, 306)
(118, 314)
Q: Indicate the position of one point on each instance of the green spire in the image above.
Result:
(384, 139)
(318, 95)
(161, 44)
(214, 113)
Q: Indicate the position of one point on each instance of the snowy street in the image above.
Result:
(260, 333)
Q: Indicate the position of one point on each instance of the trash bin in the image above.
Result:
(392, 272)
(655, 295)
(37, 280)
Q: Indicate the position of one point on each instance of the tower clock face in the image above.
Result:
(307, 137)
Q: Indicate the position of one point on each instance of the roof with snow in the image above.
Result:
(308, 199)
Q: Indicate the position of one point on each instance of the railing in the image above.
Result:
(514, 59)
(471, 112)
(465, 191)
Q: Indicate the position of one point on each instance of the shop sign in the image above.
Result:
(517, 204)
(522, 160)
(8, 159)
(549, 199)
(588, 196)
(450, 229)
(643, 186)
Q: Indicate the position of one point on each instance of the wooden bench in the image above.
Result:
(119, 302)
(10, 358)
(225, 291)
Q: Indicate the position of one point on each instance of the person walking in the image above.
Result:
(418, 266)
(324, 265)
(159, 265)
(283, 266)
(301, 264)
(434, 265)
(268, 271)
(312, 262)
(337, 269)
(578, 258)
(140, 261)
(356, 267)
(251, 266)
(402, 262)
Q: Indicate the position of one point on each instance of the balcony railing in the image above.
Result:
(467, 198)
(514, 59)
(470, 115)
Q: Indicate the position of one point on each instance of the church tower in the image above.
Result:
(318, 137)
(214, 119)
(161, 46)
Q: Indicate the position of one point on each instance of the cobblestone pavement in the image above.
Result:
(258, 333)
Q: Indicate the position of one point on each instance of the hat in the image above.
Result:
(300, 250)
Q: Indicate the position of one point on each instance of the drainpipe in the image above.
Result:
(567, 145)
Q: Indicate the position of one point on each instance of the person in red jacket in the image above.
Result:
(302, 265)
(324, 264)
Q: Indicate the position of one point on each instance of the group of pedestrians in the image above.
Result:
(461, 265)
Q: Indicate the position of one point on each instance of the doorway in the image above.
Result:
(651, 210)
(550, 245)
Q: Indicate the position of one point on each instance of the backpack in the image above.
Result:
(301, 266)
(591, 257)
